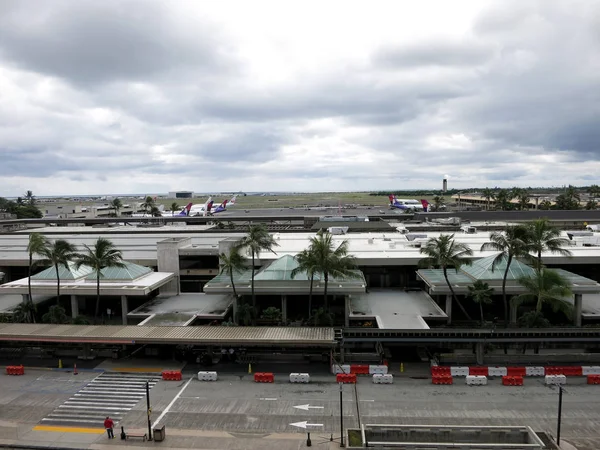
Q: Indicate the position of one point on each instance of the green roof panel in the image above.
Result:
(65, 273)
(482, 269)
(130, 272)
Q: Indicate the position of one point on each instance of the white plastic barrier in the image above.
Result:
(497, 371)
(476, 380)
(380, 378)
(590, 370)
(378, 369)
(337, 368)
(556, 379)
(207, 376)
(459, 371)
(535, 371)
(299, 378)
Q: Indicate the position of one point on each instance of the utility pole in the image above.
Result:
(341, 416)
(560, 393)
(149, 411)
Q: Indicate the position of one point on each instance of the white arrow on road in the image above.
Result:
(307, 407)
(306, 424)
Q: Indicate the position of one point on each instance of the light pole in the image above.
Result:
(149, 411)
(560, 392)
(341, 416)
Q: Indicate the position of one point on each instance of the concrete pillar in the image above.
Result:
(513, 311)
(284, 308)
(124, 309)
(168, 261)
(382, 280)
(347, 311)
(235, 308)
(25, 298)
(449, 307)
(577, 310)
(387, 280)
(479, 351)
(74, 306)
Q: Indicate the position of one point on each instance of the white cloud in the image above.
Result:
(268, 95)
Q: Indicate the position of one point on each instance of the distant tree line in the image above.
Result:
(24, 207)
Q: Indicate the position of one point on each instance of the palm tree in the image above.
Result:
(231, 263)
(155, 212)
(445, 252)
(438, 202)
(523, 198)
(257, 240)
(330, 261)
(104, 254)
(546, 287)
(174, 208)
(56, 314)
(503, 198)
(512, 243)
(29, 198)
(24, 312)
(545, 205)
(307, 263)
(481, 293)
(542, 236)
(246, 314)
(569, 199)
(591, 204)
(533, 319)
(322, 317)
(37, 242)
(57, 253)
(116, 205)
(488, 194)
(148, 204)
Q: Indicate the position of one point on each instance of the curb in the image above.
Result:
(39, 447)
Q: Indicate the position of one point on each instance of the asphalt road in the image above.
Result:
(236, 404)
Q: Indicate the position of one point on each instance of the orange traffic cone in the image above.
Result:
(75, 369)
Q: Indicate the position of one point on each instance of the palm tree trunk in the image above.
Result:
(235, 296)
(462, 308)
(253, 296)
(312, 277)
(504, 299)
(29, 288)
(97, 296)
(481, 311)
(326, 275)
(57, 285)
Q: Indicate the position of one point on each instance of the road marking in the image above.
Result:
(268, 399)
(172, 402)
(307, 407)
(137, 369)
(306, 424)
(367, 400)
(69, 429)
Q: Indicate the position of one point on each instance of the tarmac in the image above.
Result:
(236, 413)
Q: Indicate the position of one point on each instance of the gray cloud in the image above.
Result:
(154, 96)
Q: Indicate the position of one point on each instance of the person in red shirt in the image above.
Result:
(109, 424)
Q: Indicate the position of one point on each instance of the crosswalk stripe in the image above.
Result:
(106, 395)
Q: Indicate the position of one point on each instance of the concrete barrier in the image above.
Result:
(343, 368)
(476, 380)
(497, 371)
(207, 376)
(555, 379)
(299, 378)
(459, 371)
(590, 370)
(380, 378)
(535, 371)
(373, 369)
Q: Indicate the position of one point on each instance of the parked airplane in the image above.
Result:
(409, 205)
(208, 209)
(184, 212)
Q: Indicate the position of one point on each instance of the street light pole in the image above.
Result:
(341, 416)
(560, 393)
(149, 411)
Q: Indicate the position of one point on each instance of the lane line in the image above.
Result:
(69, 429)
(172, 402)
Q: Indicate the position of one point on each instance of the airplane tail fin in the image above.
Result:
(392, 198)
(208, 206)
(425, 204)
(232, 201)
(186, 211)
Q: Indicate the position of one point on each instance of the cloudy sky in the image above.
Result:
(105, 97)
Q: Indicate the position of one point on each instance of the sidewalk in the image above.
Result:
(13, 435)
